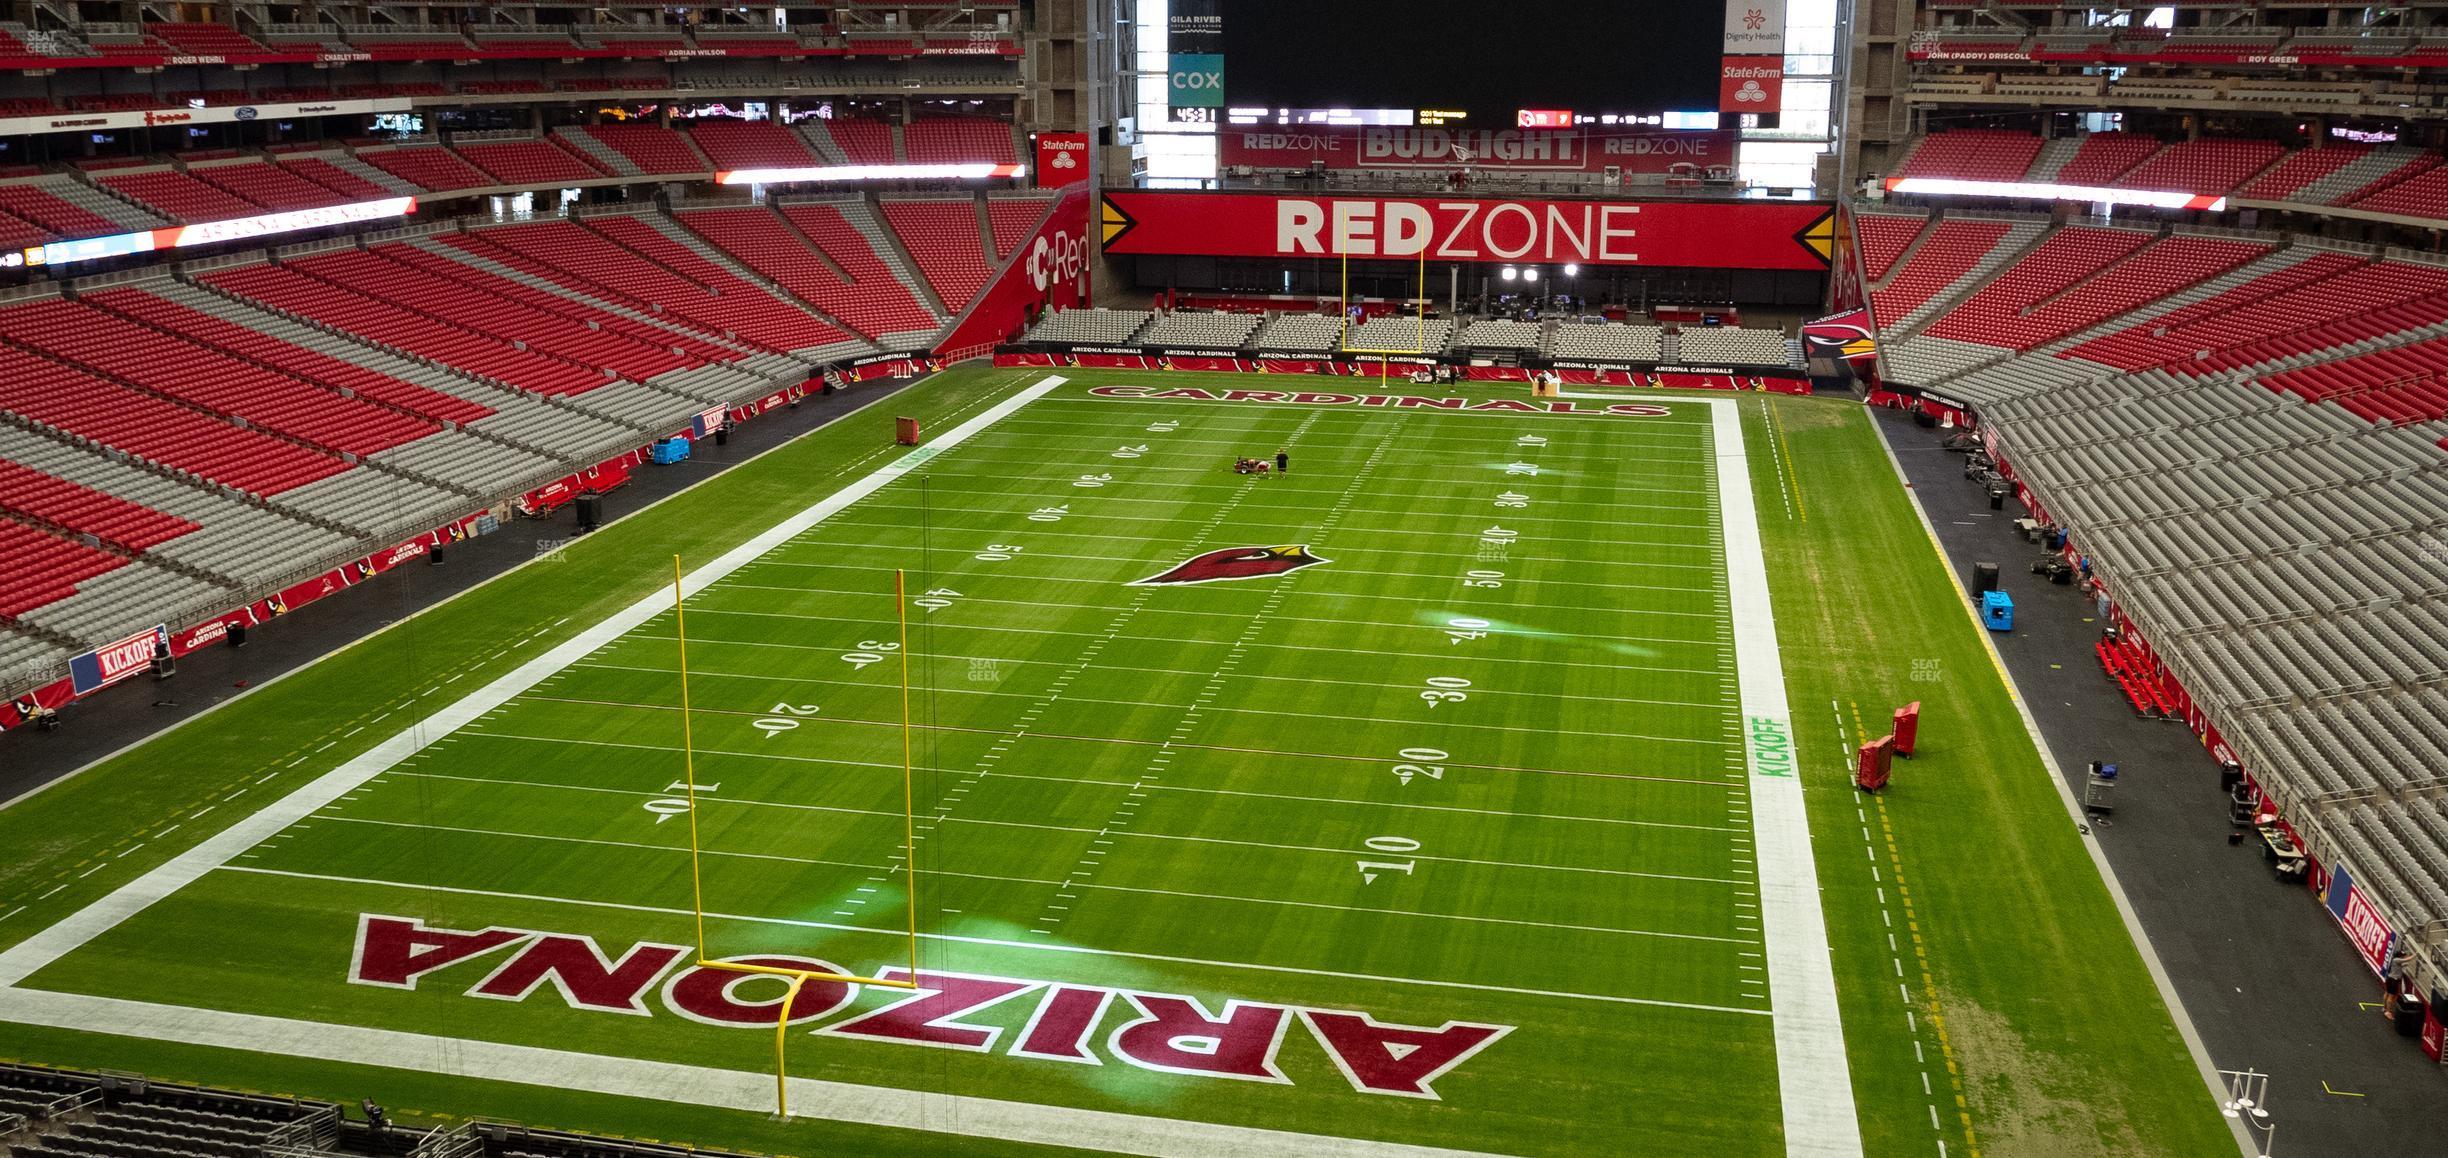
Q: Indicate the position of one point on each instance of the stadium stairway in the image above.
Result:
(864, 217)
(519, 419)
(673, 232)
(744, 373)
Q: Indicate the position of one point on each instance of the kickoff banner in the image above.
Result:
(1587, 149)
(1692, 234)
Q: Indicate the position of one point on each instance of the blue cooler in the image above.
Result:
(1997, 610)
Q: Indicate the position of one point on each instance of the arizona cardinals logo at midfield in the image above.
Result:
(1236, 563)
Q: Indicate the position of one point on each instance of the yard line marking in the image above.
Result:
(958, 938)
(1119, 741)
(851, 721)
(955, 659)
(1344, 651)
(1527, 633)
(1814, 1085)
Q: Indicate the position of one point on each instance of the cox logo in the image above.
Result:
(1055, 259)
(1198, 80)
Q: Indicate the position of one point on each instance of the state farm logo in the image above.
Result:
(1750, 93)
(1056, 258)
(1064, 160)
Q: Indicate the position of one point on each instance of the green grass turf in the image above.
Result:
(1583, 841)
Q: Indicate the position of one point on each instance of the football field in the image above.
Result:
(1438, 793)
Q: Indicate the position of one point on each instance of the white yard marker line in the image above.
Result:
(1814, 1080)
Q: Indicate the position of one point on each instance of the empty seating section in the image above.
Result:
(956, 140)
(204, 39)
(1090, 327)
(140, 356)
(38, 567)
(943, 237)
(1883, 238)
(467, 299)
(750, 145)
(85, 406)
(429, 167)
(2395, 386)
(529, 162)
(1952, 249)
(2364, 302)
(1499, 334)
(1299, 334)
(870, 299)
(2103, 157)
(274, 188)
(1733, 345)
(81, 510)
(1201, 331)
(290, 290)
(1607, 342)
(254, 346)
(328, 173)
(1972, 155)
(60, 219)
(2383, 169)
(2146, 275)
(624, 257)
(1012, 219)
(862, 142)
(2207, 165)
(179, 196)
(1398, 334)
(2190, 330)
(2422, 195)
(2288, 178)
(654, 149)
(1997, 313)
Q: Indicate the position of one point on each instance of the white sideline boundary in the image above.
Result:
(1814, 1078)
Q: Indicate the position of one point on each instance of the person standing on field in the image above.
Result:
(1283, 462)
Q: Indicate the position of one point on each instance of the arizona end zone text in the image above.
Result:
(1395, 401)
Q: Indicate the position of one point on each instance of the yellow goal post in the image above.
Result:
(1419, 333)
(909, 843)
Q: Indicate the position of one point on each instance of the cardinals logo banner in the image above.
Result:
(1233, 563)
(1846, 335)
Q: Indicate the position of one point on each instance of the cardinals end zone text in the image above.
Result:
(1396, 401)
(1080, 1024)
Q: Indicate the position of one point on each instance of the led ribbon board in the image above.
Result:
(208, 233)
(965, 171)
(2042, 191)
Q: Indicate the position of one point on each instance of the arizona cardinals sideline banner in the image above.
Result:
(1588, 149)
(1705, 235)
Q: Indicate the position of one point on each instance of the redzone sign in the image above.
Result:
(1080, 1024)
(1716, 235)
